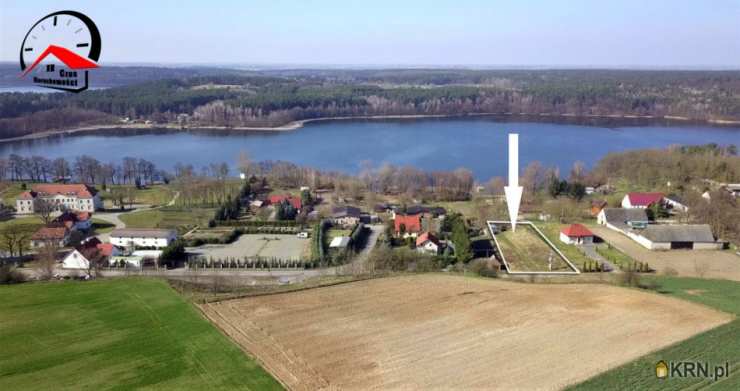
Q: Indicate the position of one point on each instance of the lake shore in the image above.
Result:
(294, 125)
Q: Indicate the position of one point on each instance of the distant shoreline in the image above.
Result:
(294, 125)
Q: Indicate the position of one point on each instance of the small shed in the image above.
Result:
(576, 234)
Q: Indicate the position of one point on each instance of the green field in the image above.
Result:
(115, 334)
(168, 218)
(525, 250)
(716, 346)
(150, 195)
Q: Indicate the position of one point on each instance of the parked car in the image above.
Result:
(302, 235)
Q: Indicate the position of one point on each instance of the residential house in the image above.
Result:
(407, 225)
(143, 237)
(641, 200)
(597, 206)
(62, 197)
(675, 203)
(576, 234)
(427, 243)
(622, 220)
(48, 236)
(75, 221)
(295, 201)
(346, 216)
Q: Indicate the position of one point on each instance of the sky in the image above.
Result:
(469, 33)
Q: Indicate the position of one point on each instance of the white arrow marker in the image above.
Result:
(513, 191)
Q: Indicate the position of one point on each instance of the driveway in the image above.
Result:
(688, 263)
(358, 264)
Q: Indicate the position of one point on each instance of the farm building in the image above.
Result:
(597, 206)
(641, 200)
(621, 220)
(143, 237)
(576, 234)
(671, 237)
(427, 243)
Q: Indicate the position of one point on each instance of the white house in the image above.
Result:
(622, 220)
(427, 243)
(143, 237)
(641, 200)
(346, 216)
(75, 260)
(576, 234)
(62, 197)
(675, 203)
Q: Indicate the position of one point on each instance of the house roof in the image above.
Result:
(339, 242)
(276, 199)
(644, 199)
(576, 230)
(106, 249)
(69, 219)
(78, 190)
(346, 211)
(426, 236)
(679, 233)
(434, 210)
(142, 233)
(412, 223)
(620, 216)
(50, 233)
(27, 195)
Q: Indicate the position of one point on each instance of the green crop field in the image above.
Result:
(525, 250)
(715, 347)
(115, 334)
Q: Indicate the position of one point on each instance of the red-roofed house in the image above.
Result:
(641, 200)
(76, 197)
(50, 236)
(407, 225)
(576, 234)
(276, 199)
(427, 243)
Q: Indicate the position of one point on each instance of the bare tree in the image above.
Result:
(46, 260)
(44, 209)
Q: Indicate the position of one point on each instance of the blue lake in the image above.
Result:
(479, 144)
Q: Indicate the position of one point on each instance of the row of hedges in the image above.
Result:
(318, 252)
(358, 237)
(249, 263)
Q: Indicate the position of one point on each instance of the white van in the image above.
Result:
(302, 235)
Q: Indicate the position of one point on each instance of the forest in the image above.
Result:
(203, 97)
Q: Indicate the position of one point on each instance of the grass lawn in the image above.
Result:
(168, 218)
(525, 250)
(32, 223)
(716, 346)
(123, 334)
(552, 231)
(151, 195)
(101, 226)
(614, 256)
(11, 190)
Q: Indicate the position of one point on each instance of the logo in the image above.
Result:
(691, 369)
(59, 50)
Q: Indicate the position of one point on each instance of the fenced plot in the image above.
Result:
(527, 250)
(285, 247)
(445, 332)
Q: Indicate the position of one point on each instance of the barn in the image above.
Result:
(672, 237)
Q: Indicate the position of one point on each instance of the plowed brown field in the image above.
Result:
(448, 332)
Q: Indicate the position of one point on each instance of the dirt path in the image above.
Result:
(688, 263)
(444, 332)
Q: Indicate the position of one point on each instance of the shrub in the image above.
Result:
(10, 275)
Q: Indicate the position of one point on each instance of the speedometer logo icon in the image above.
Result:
(60, 49)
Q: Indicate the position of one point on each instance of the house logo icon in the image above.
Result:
(59, 50)
(661, 370)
